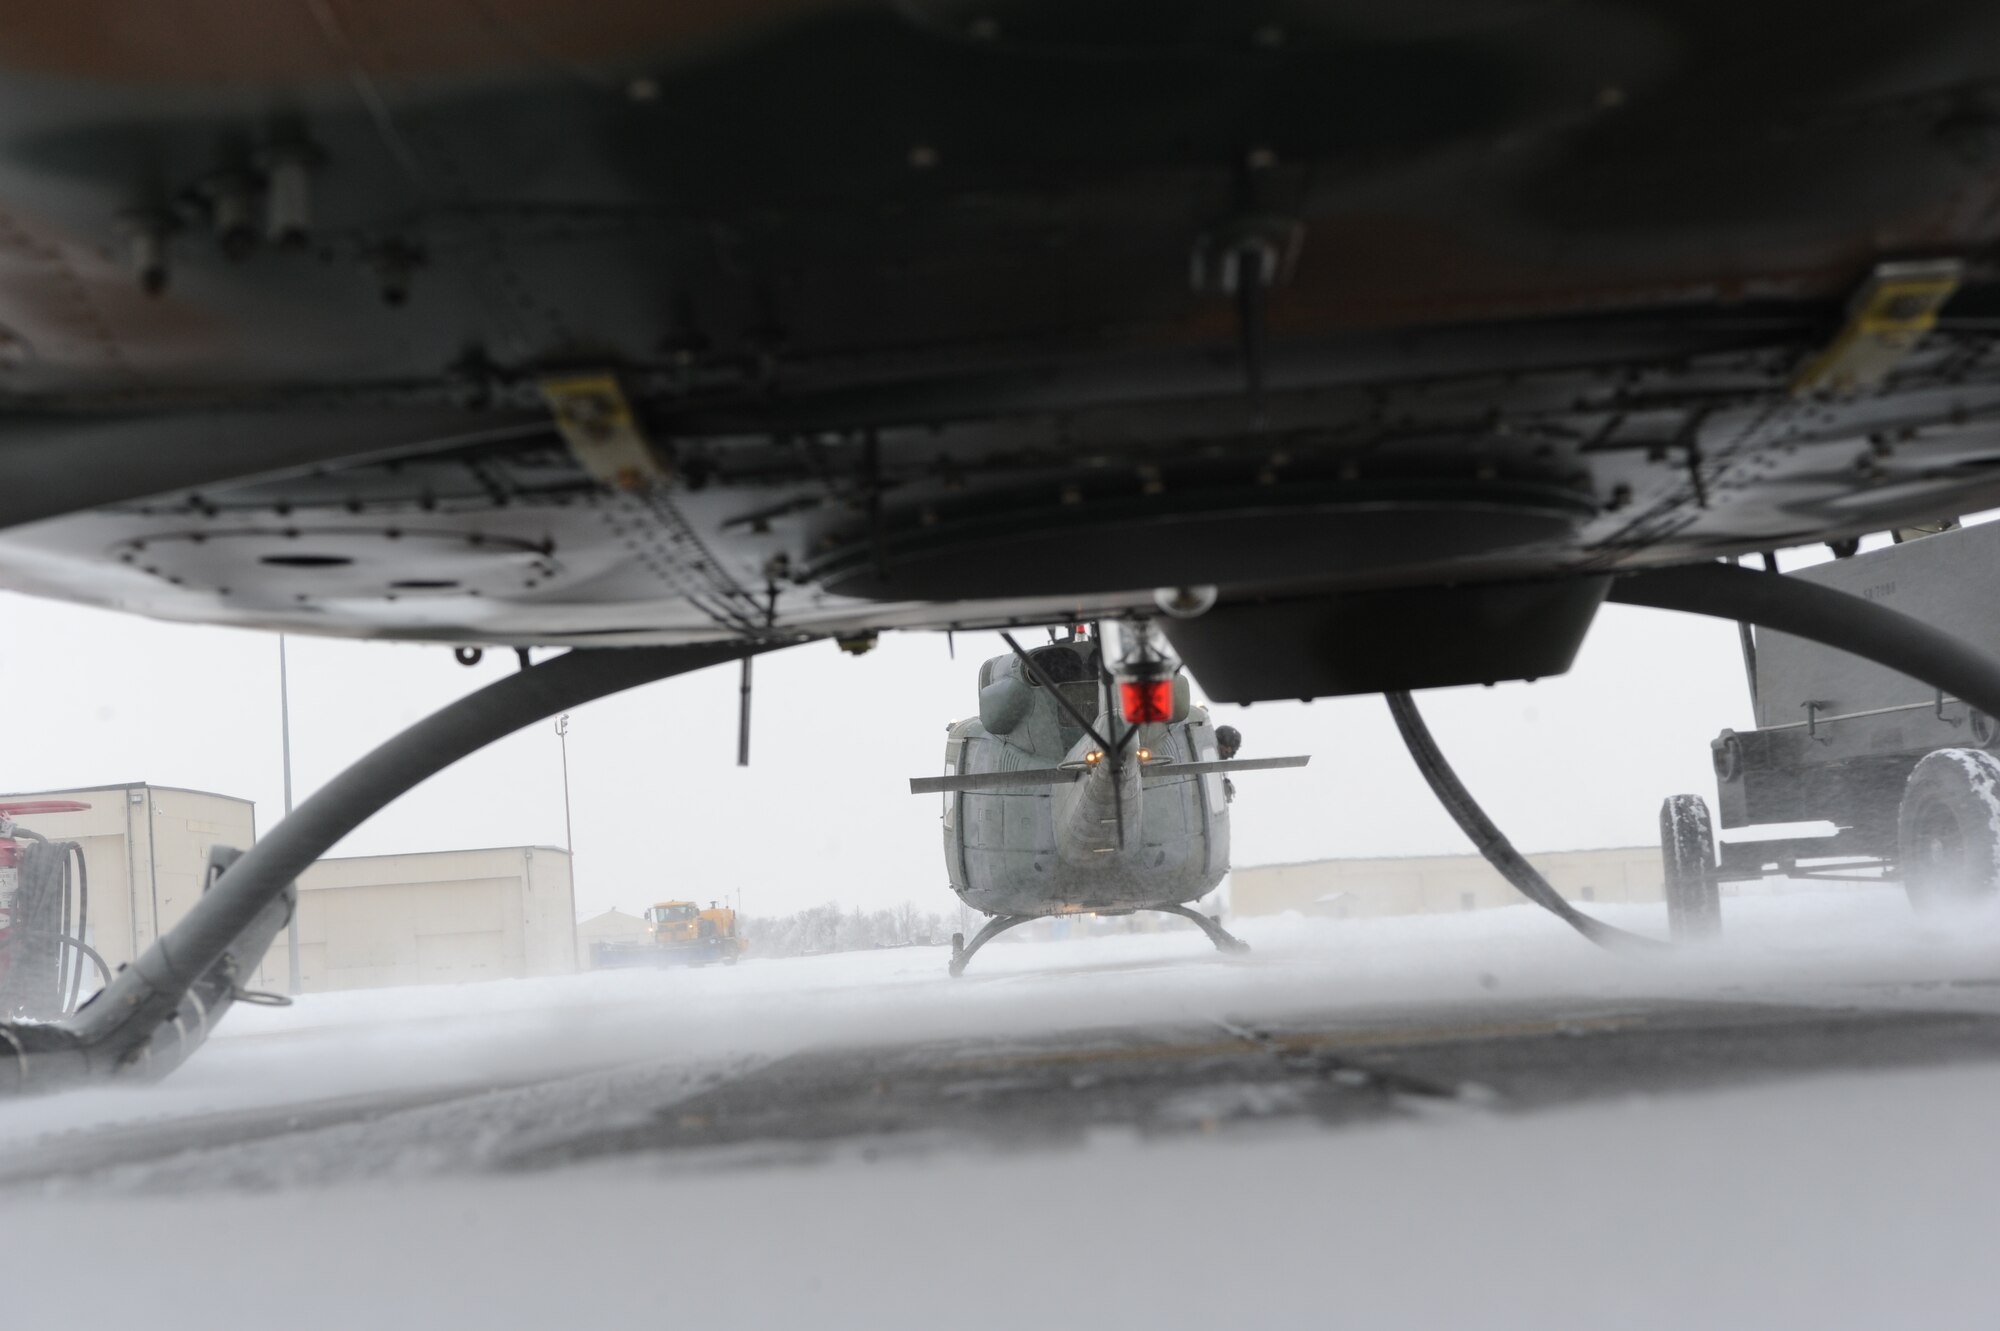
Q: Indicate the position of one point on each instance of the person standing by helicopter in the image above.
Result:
(1228, 739)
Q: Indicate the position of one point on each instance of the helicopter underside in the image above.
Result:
(1343, 506)
(705, 329)
(1084, 893)
(610, 325)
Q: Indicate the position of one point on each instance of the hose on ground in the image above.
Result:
(1492, 843)
(145, 993)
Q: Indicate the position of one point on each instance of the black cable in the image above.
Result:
(1769, 600)
(1492, 843)
(141, 996)
(82, 926)
(1113, 751)
(64, 960)
(1766, 599)
(84, 949)
(1826, 615)
(1036, 673)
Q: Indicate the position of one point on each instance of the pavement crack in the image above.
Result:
(1307, 1057)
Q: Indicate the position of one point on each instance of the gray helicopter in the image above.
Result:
(1077, 789)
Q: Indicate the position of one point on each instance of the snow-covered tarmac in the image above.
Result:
(1848, 1198)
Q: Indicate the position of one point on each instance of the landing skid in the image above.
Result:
(961, 951)
(1224, 940)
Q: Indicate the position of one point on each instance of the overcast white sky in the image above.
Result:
(823, 813)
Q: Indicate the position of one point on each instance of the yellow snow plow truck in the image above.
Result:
(680, 933)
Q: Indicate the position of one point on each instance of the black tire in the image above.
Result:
(1687, 856)
(1948, 830)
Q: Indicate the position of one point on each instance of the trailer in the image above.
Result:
(1905, 774)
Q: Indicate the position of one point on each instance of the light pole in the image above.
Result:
(569, 834)
(285, 738)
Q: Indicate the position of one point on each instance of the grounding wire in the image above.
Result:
(75, 940)
(1493, 844)
(85, 950)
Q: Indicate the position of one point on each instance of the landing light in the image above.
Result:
(1145, 755)
(1093, 757)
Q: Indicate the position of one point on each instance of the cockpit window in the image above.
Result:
(1061, 665)
(1082, 695)
(1073, 672)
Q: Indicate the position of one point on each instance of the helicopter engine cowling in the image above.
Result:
(1004, 703)
(1100, 817)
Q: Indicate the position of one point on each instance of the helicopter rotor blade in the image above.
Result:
(1162, 771)
(1033, 776)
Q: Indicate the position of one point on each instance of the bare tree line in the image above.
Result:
(833, 928)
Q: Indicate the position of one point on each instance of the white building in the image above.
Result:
(613, 926)
(428, 918)
(1427, 884)
(441, 917)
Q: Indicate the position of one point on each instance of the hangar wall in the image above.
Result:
(439, 917)
(1428, 884)
(613, 926)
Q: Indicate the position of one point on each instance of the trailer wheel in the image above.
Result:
(1948, 829)
(1687, 854)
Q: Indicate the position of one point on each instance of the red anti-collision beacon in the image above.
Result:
(1146, 700)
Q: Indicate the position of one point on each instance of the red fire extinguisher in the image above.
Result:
(10, 866)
